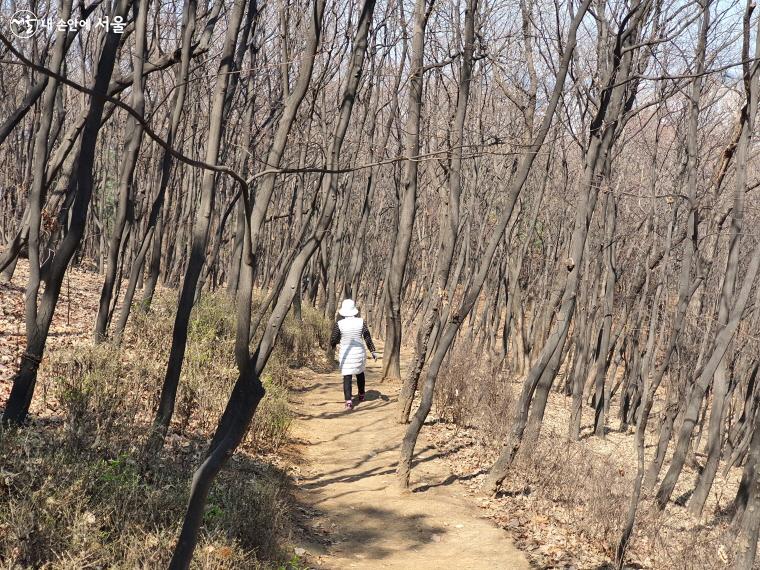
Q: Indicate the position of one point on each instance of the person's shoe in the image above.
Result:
(349, 405)
(361, 397)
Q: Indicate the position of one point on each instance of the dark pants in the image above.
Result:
(347, 385)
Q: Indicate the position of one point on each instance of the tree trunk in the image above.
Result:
(472, 292)
(609, 294)
(248, 391)
(133, 136)
(449, 219)
(721, 380)
(199, 239)
(603, 128)
(39, 316)
(407, 196)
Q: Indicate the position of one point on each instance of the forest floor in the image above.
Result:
(353, 514)
(73, 322)
(564, 502)
(345, 508)
(562, 506)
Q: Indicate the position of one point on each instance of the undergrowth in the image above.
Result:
(577, 493)
(76, 489)
(471, 392)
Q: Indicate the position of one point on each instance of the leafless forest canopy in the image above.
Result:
(561, 193)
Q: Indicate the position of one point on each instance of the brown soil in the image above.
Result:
(355, 517)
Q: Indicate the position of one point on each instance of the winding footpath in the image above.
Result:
(353, 514)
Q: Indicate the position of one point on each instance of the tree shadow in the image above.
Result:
(524, 492)
(372, 395)
(339, 412)
(306, 388)
(449, 481)
(366, 525)
(363, 532)
(347, 474)
(348, 434)
(682, 499)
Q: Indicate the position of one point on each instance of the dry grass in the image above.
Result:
(75, 488)
(471, 392)
(563, 502)
(66, 508)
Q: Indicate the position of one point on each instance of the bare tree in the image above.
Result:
(39, 313)
(248, 390)
(199, 235)
(407, 195)
(473, 289)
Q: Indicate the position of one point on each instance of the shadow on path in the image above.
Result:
(355, 515)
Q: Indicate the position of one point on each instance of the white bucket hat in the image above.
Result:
(348, 308)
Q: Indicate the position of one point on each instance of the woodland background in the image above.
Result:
(552, 204)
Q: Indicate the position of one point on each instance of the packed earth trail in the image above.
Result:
(355, 516)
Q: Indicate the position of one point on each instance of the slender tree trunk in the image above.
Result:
(133, 136)
(609, 295)
(472, 292)
(603, 128)
(248, 390)
(685, 291)
(750, 525)
(407, 196)
(199, 239)
(449, 218)
(39, 316)
(719, 347)
(721, 380)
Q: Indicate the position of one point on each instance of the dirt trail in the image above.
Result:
(354, 515)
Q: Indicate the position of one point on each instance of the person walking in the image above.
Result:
(348, 331)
